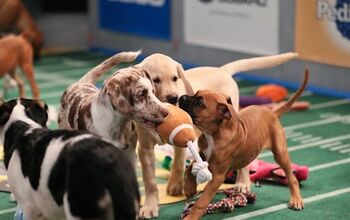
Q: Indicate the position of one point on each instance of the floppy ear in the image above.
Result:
(37, 111)
(188, 87)
(224, 111)
(5, 112)
(121, 101)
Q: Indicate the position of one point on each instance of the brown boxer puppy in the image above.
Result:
(236, 139)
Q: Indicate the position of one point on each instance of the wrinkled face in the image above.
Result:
(35, 110)
(207, 109)
(131, 93)
(165, 75)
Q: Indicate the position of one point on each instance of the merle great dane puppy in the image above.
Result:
(62, 173)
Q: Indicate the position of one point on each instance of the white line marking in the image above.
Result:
(330, 104)
(339, 147)
(308, 145)
(330, 164)
(345, 151)
(5, 211)
(307, 136)
(283, 206)
(311, 140)
(317, 123)
(330, 144)
(293, 135)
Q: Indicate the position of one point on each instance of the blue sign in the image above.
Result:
(148, 18)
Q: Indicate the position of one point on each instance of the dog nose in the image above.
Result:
(172, 99)
(183, 100)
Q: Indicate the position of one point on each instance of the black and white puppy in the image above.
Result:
(64, 174)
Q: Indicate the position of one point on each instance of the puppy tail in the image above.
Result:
(284, 108)
(96, 72)
(258, 62)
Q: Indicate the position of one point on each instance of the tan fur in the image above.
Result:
(171, 81)
(238, 139)
(16, 51)
(15, 17)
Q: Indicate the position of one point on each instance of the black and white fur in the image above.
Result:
(63, 174)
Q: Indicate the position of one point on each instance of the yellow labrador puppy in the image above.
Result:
(170, 83)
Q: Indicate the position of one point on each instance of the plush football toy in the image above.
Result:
(177, 129)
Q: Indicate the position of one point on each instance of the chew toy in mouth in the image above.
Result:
(150, 123)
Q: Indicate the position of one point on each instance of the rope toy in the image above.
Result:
(233, 199)
(177, 129)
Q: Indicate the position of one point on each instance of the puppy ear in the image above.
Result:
(224, 111)
(188, 87)
(120, 100)
(5, 112)
(37, 111)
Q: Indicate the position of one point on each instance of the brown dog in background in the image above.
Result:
(234, 140)
(16, 51)
(15, 17)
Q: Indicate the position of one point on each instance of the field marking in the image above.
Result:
(330, 144)
(284, 206)
(344, 151)
(339, 147)
(5, 211)
(293, 135)
(307, 136)
(330, 164)
(330, 104)
(308, 145)
(311, 140)
(317, 122)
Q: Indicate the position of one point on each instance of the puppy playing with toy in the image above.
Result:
(236, 139)
(63, 174)
(16, 51)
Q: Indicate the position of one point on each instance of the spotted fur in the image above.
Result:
(125, 96)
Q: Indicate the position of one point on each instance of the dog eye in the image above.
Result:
(143, 93)
(199, 103)
(156, 80)
(175, 78)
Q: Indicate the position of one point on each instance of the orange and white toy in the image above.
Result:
(177, 129)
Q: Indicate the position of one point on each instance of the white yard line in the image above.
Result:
(345, 151)
(284, 206)
(308, 136)
(5, 211)
(330, 144)
(311, 140)
(330, 104)
(330, 164)
(293, 135)
(339, 147)
(308, 145)
(317, 122)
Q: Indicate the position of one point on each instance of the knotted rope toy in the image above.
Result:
(177, 129)
(233, 199)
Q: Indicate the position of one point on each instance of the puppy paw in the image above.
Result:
(190, 189)
(175, 185)
(174, 189)
(149, 211)
(296, 204)
(242, 187)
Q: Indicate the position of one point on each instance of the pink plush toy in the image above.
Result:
(177, 129)
(264, 170)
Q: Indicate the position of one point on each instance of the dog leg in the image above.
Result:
(175, 182)
(281, 156)
(243, 180)
(147, 159)
(19, 82)
(218, 168)
(190, 186)
(28, 71)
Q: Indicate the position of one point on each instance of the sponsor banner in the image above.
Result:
(249, 26)
(147, 18)
(323, 31)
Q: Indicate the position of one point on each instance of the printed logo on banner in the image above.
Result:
(338, 13)
(148, 18)
(261, 3)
